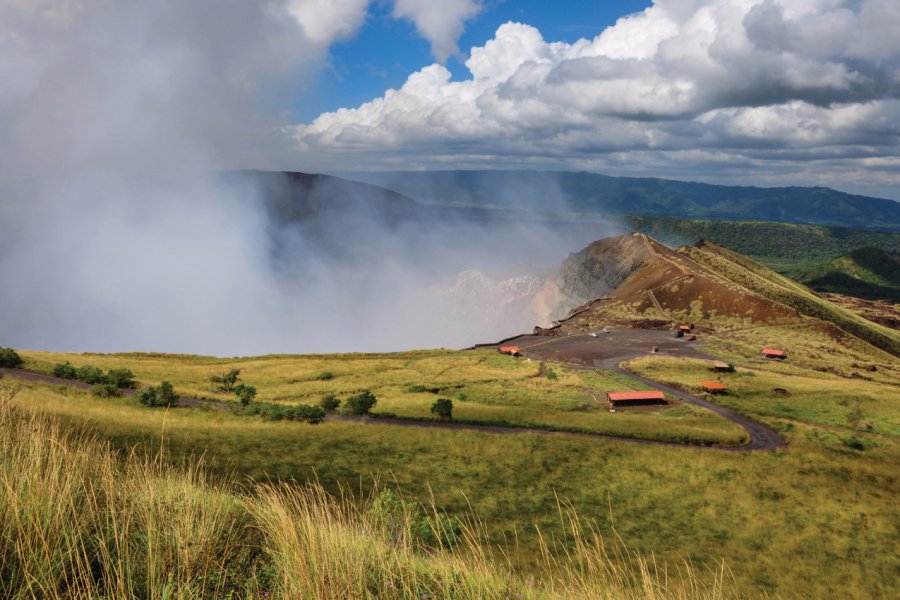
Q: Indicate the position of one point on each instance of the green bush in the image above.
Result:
(324, 376)
(361, 403)
(89, 374)
(105, 390)
(226, 381)
(120, 378)
(329, 403)
(64, 371)
(10, 359)
(245, 393)
(162, 395)
(443, 408)
(437, 531)
(305, 413)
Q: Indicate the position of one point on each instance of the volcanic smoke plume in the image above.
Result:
(119, 232)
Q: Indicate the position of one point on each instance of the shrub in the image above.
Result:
(551, 374)
(361, 403)
(437, 531)
(392, 515)
(329, 403)
(64, 371)
(443, 408)
(120, 378)
(324, 376)
(89, 374)
(245, 393)
(162, 395)
(105, 390)
(10, 359)
(226, 381)
(306, 413)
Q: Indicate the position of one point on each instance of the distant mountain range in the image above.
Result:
(571, 192)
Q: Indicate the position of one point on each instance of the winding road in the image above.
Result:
(604, 352)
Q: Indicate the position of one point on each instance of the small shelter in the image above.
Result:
(684, 328)
(643, 398)
(773, 353)
(511, 350)
(720, 366)
(713, 387)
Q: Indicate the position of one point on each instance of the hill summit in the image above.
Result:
(634, 280)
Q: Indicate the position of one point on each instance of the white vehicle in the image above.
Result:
(606, 330)
(592, 334)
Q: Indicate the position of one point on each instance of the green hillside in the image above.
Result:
(594, 193)
(785, 247)
(870, 273)
(765, 282)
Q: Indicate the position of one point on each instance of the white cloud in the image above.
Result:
(327, 21)
(812, 78)
(440, 22)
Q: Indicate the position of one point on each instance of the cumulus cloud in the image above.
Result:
(325, 21)
(679, 85)
(441, 23)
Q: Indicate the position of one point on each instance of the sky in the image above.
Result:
(759, 92)
(117, 118)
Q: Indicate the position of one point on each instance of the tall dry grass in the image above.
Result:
(78, 520)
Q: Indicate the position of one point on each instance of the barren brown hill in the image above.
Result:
(635, 280)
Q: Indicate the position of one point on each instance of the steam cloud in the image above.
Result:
(118, 231)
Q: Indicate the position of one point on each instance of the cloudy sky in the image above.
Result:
(767, 92)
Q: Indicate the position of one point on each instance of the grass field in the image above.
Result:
(818, 519)
(484, 386)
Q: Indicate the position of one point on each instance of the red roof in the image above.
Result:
(684, 327)
(713, 385)
(651, 395)
(773, 352)
(509, 349)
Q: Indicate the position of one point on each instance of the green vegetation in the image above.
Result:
(443, 408)
(598, 196)
(245, 393)
(161, 395)
(870, 273)
(10, 359)
(361, 404)
(226, 380)
(330, 403)
(486, 388)
(773, 286)
(78, 521)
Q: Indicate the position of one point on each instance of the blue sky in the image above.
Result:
(386, 50)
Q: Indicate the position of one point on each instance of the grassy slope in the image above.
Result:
(825, 506)
(870, 273)
(484, 385)
(773, 286)
(77, 521)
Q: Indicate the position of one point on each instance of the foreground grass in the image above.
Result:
(825, 508)
(485, 387)
(79, 521)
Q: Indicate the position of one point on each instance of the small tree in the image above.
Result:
(89, 374)
(120, 378)
(226, 381)
(329, 403)
(105, 390)
(162, 395)
(245, 393)
(10, 359)
(65, 371)
(361, 403)
(443, 408)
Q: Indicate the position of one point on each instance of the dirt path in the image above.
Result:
(761, 436)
